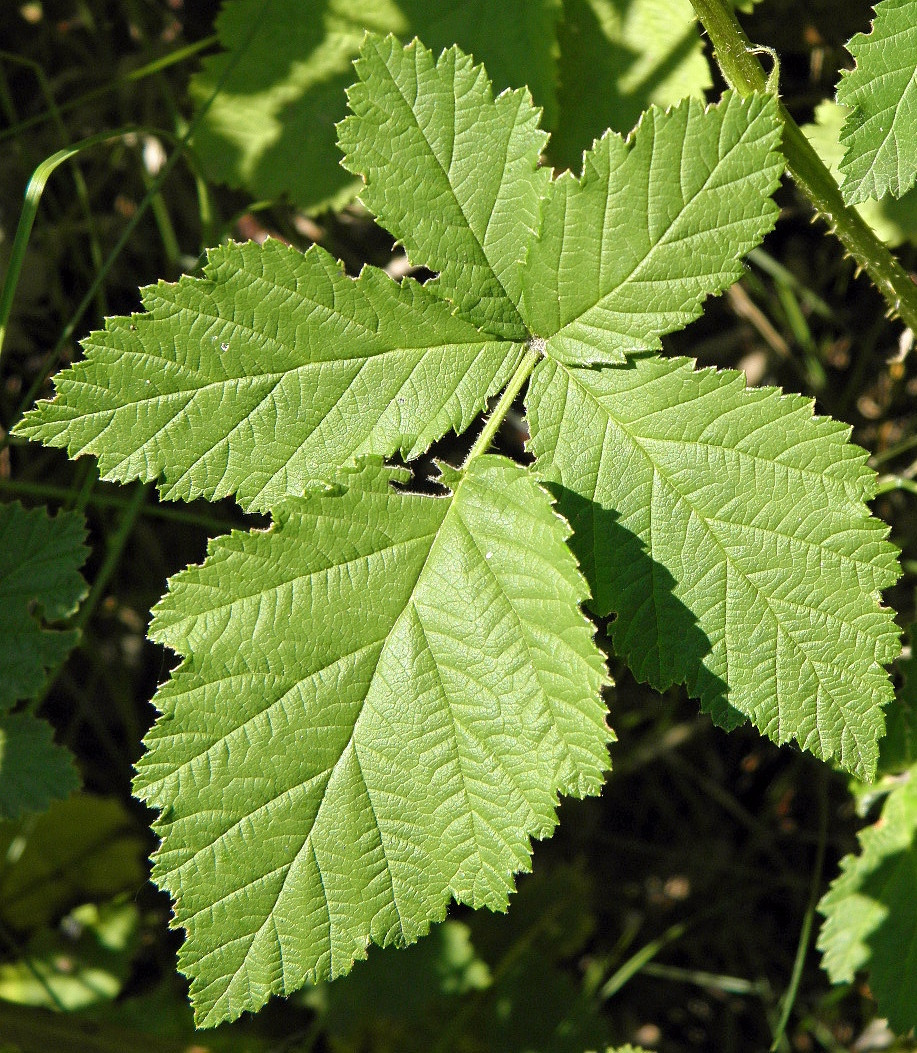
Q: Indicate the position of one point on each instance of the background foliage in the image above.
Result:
(664, 912)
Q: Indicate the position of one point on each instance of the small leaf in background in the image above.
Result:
(273, 369)
(616, 58)
(893, 219)
(40, 584)
(898, 749)
(657, 223)
(726, 529)
(880, 147)
(871, 910)
(425, 664)
(34, 770)
(271, 128)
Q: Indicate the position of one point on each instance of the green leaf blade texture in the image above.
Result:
(879, 134)
(286, 64)
(272, 370)
(726, 529)
(657, 223)
(383, 697)
(34, 769)
(871, 911)
(450, 171)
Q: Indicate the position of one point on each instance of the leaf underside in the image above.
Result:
(274, 369)
(871, 910)
(382, 696)
(726, 529)
(878, 135)
(448, 691)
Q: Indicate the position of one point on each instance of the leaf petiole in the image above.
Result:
(522, 374)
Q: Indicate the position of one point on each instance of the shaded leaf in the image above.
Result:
(40, 583)
(871, 910)
(726, 528)
(285, 66)
(34, 771)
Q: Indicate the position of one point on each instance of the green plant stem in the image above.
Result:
(741, 67)
(805, 933)
(522, 374)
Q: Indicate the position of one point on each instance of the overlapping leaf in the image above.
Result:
(657, 223)
(871, 910)
(726, 529)
(274, 369)
(285, 65)
(381, 699)
(879, 134)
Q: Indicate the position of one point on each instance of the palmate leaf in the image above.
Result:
(879, 134)
(382, 696)
(726, 529)
(381, 699)
(272, 370)
(871, 910)
(286, 63)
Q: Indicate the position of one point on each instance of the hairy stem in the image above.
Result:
(522, 374)
(738, 60)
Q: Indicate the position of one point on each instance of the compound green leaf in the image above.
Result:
(34, 770)
(434, 685)
(40, 583)
(656, 224)
(726, 529)
(871, 910)
(285, 65)
(879, 134)
(616, 58)
(273, 369)
(450, 171)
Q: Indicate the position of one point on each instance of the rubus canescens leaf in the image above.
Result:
(879, 134)
(380, 701)
(657, 222)
(274, 369)
(450, 171)
(871, 910)
(286, 64)
(726, 529)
